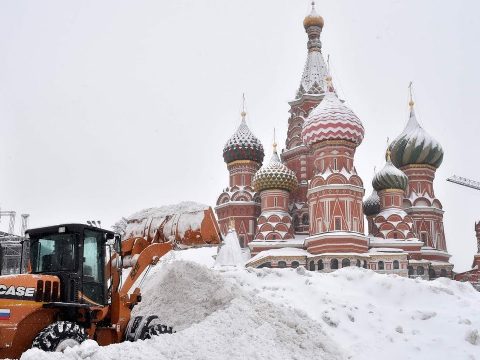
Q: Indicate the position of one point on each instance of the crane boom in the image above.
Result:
(464, 182)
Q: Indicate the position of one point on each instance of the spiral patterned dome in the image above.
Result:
(415, 146)
(389, 177)
(371, 205)
(274, 175)
(332, 120)
(243, 145)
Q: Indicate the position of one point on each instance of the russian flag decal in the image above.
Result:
(4, 314)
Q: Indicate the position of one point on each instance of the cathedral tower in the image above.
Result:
(311, 91)
(274, 181)
(419, 155)
(243, 154)
(333, 132)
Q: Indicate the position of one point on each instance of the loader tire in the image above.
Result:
(59, 335)
(157, 329)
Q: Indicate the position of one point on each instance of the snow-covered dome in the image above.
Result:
(313, 19)
(274, 175)
(332, 120)
(415, 146)
(389, 177)
(243, 145)
(371, 205)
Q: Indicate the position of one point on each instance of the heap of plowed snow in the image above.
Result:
(295, 314)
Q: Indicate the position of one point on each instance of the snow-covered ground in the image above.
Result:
(237, 313)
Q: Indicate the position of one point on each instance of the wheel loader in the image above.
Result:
(74, 289)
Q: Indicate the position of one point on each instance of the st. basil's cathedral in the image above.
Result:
(305, 206)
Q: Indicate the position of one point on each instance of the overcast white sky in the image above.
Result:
(108, 107)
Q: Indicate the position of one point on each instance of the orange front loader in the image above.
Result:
(74, 289)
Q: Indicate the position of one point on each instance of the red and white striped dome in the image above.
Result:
(332, 120)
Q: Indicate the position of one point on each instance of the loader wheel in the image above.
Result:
(157, 329)
(59, 335)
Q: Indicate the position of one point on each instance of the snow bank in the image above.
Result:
(352, 313)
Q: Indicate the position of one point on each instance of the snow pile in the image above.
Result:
(175, 220)
(230, 253)
(240, 313)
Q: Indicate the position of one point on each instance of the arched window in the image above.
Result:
(265, 265)
(431, 274)
(410, 270)
(320, 264)
(364, 264)
(334, 264)
(359, 263)
(295, 264)
(381, 265)
(396, 265)
(443, 273)
(282, 264)
(345, 263)
(312, 266)
(305, 220)
(420, 270)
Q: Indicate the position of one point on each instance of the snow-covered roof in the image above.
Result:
(283, 252)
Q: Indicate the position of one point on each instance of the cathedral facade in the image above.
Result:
(306, 207)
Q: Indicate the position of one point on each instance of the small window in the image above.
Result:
(312, 266)
(335, 164)
(320, 264)
(295, 264)
(410, 270)
(396, 265)
(431, 274)
(305, 220)
(420, 270)
(381, 265)
(338, 223)
(359, 263)
(265, 265)
(395, 235)
(334, 264)
(443, 273)
(241, 240)
(355, 224)
(296, 221)
(282, 264)
(364, 264)
(423, 237)
(345, 263)
(275, 201)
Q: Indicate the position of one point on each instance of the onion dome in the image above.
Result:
(390, 177)
(313, 19)
(332, 120)
(243, 145)
(274, 175)
(415, 146)
(371, 205)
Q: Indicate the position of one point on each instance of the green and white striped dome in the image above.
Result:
(389, 178)
(415, 146)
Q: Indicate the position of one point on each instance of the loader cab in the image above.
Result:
(77, 255)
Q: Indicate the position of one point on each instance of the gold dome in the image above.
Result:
(313, 19)
(310, 20)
